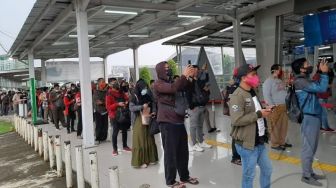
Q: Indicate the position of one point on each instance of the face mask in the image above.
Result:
(170, 73)
(102, 85)
(125, 88)
(144, 92)
(280, 74)
(309, 69)
(253, 81)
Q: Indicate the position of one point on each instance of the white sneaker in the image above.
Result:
(205, 145)
(196, 147)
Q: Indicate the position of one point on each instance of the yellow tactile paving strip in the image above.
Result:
(284, 158)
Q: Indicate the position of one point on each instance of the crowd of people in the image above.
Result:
(165, 103)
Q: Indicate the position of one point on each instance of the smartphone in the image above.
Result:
(189, 62)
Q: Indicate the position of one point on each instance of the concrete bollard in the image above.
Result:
(28, 134)
(25, 130)
(79, 167)
(58, 156)
(36, 139)
(45, 146)
(40, 142)
(32, 135)
(68, 164)
(51, 152)
(94, 169)
(114, 177)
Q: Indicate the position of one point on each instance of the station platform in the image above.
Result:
(212, 167)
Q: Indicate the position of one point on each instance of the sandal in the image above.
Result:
(237, 162)
(178, 185)
(192, 181)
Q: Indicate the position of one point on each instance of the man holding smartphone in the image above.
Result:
(306, 91)
(274, 91)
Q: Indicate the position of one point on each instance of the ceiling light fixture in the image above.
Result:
(302, 38)
(18, 75)
(245, 41)
(189, 16)
(324, 47)
(138, 36)
(193, 41)
(229, 28)
(75, 36)
(120, 12)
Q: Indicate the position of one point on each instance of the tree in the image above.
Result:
(145, 74)
(173, 65)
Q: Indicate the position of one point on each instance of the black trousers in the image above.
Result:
(79, 123)
(101, 126)
(235, 155)
(176, 153)
(58, 116)
(71, 121)
(116, 129)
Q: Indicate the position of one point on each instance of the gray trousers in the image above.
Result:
(196, 124)
(310, 132)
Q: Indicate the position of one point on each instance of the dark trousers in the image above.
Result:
(235, 155)
(101, 126)
(58, 116)
(176, 153)
(5, 109)
(116, 128)
(71, 121)
(79, 123)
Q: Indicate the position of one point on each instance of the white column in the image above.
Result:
(334, 51)
(237, 43)
(31, 64)
(136, 64)
(84, 74)
(43, 73)
(106, 71)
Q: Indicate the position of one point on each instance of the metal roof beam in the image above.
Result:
(248, 10)
(58, 21)
(40, 17)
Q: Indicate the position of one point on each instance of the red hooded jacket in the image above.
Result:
(112, 103)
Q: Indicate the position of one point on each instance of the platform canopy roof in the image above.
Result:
(217, 35)
(116, 25)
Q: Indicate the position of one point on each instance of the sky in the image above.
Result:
(14, 13)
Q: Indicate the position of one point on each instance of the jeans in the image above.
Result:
(196, 117)
(324, 120)
(116, 129)
(250, 158)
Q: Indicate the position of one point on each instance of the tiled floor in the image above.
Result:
(213, 167)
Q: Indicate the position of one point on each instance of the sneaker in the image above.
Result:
(311, 181)
(196, 147)
(114, 153)
(329, 130)
(318, 177)
(279, 148)
(127, 149)
(286, 145)
(144, 166)
(322, 129)
(212, 130)
(205, 145)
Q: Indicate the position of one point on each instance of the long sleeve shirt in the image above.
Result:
(274, 91)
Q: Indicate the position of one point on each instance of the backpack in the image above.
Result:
(123, 114)
(294, 110)
(200, 96)
(180, 105)
(229, 90)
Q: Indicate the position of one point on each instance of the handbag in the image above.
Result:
(154, 127)
(145, 116)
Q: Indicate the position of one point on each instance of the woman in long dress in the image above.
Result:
(144, 150)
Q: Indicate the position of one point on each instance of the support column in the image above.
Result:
(106, 72)
(237, 43)
(84, 74)
(43, 73)
(316, 56)
(32, 86)
(136, 64)
(278, 41)
(180, 57)
(306, 52)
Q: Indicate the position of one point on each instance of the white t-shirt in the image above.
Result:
(260, 121)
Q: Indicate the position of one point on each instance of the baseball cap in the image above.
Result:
(243, 70)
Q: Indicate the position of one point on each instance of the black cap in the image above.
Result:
(245, 69)
(275, 67)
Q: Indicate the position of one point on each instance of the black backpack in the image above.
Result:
(123, 114)
(294, 110)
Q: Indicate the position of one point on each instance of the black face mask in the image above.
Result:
(170, 73)
(309, 70)
(125, 88)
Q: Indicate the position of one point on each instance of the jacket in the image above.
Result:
(67, 102)
(99, 95)
(165, 95)
(244, 118)
(112, 103)
(306, 89)
(324, 95)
